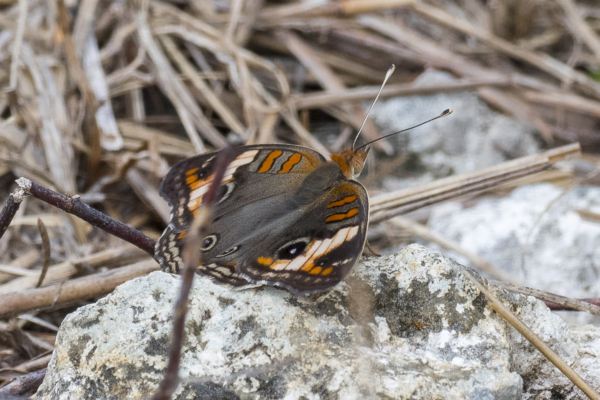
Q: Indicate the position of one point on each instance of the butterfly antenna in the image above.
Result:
(387, 76)
(443, 114)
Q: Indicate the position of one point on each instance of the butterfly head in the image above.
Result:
(351, 161)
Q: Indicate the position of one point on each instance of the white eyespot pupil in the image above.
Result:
(209, 242)
(292, 250)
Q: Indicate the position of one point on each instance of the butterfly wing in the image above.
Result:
(314, 246)
(259, 179)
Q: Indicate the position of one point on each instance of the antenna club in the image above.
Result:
(390, 71)
(443, 114)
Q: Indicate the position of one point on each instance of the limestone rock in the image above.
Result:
(402, 326)
(535, 234)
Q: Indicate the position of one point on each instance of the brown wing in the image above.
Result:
(168, 253)
(254, 180)
(316, 250)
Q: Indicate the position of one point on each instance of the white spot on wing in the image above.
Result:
(245, 158)
(223, 270)
(207, 161)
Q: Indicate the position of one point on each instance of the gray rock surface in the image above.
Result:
(402, 326)
(472, 138)
(535, 234)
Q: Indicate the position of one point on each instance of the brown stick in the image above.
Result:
(46, 249)
(23, 385)
(307, 56)
(389, 205)
(564, 307)
(329, 98)
(73, 205)
(556, 301)
(534, 339)
(544, 62)
(111, 258)
(10, 209)
(405, 205)
(65, 293)
(191, 256)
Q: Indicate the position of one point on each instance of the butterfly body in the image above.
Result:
(284, 216)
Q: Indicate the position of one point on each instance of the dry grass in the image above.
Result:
(100, 97)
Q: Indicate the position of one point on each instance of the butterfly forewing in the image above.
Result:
(168, 253)
(257, 181)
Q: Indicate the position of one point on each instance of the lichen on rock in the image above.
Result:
(404, 326)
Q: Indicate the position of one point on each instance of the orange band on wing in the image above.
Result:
(264, 261)
(268, 163)
(191, 171)
(342, 216)
(198, 184)
(345, 200)
(308, 265)
(293, 160)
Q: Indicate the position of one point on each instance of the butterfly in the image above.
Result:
(284, 216)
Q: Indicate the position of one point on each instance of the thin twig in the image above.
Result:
(331, 83)
(567, 303)
(46, 249)
(14, 65)
(542, 61)
(65, 293)
(108, 258)
(389, 205)
(73, 62)
(73, 205)
(563, 307)
(191, 257)
(23, 385)
(569, 101)
(211, 97)
(585, 32)
(10, 209)
(329, 98)
(535, 340)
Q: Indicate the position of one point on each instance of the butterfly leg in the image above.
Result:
(371, 251)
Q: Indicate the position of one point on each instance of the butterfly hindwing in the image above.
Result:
(317, 248)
